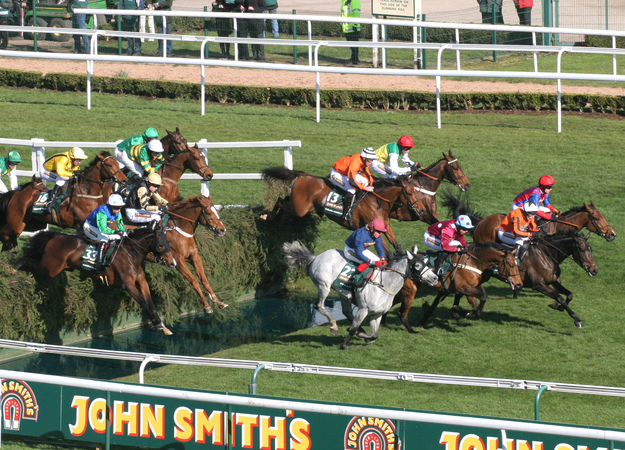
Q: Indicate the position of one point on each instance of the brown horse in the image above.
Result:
(51, 252)
(585, 216)
(466, 276)
(14, 209)
(179, 160)
(184, 218)
(85, 192)
(309, 193)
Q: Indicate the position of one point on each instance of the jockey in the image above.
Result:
(356, 245)
(98, 224)
(351, 173)
(518, 226)
(448, 235)
(7, 166)
(124, 155)
(144, 202)
(60, 168)
(539, 195)
(389, 155)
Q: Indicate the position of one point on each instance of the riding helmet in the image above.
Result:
(77, 153)
(405, 141)
(546, 180)
(368, 153)
(14, 157)
(151, 133)
(377, 225)
(155, 179)
(116, 200)
(155, 146)
(530, 207)
(464, 222)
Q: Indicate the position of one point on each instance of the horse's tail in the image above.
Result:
(461, 205)
(33, 251)
(282, 174)
(297, 254)
(4, 206)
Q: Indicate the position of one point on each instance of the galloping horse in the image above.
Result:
(86, 191)
(374, 298)
(184, 218)
(465, 276)
(14, 211)
(407, 198)
(574, 219)
(52, 252)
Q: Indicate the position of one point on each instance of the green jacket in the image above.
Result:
(350, 8)
(140, 154)
(4, 166)
(126, 144)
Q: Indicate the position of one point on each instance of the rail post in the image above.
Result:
(253, 387)
(537, 402)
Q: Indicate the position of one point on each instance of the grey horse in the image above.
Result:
(375, 298)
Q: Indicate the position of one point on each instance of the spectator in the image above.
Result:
(272, 8)
(351, 8)
(149, 19)
(164, 6)
(524, 10)
(253, 28)
(224, 26)
(131, 23)
(79, 21)
(486, 8)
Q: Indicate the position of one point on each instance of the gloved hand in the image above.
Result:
(553, 218)
(163, 209)
(121, 233)
(462, 250)
(378, 263)
(416, 167)
(78, 173)
(536, 233)
(558, 212)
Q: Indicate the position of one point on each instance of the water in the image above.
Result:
(252, 321)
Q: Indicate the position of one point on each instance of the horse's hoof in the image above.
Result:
(208, 309)
(556, 306)
(579, 324)
(370, 340)
(263, 217)
(166, 331)
(344, 347)
(334, 331)
(223, 306)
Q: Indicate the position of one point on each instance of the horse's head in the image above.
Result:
(162, 251)
(453, 172)
(174, 143)
(598, 223)
(419, 270)
(508, 267)
(210, 217)
(104, 168)
(199, 164)
(582, 254)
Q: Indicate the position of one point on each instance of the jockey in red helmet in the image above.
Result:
(539, 195)
(389, 156)
(357, 244)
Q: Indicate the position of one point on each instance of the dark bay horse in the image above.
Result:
(85, 192)
(585, 216)
(184, 218)
(51, 252)
(14, 211)
(309, 193)
(466, 276)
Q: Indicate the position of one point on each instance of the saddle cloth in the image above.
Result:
(40, 204)
(349, 278)
(334, 203)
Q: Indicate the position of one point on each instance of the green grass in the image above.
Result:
(501, 154)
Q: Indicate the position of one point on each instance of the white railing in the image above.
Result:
(309, 369)
(315, 45)
(38, 148)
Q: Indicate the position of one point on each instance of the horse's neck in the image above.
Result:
(173, 169)
(579, 218)
(192, 214)
(393, 280)
(483, 258)
(435, 171)
(558, 249)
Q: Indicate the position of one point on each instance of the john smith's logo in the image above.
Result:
(18, 402)
(365, 433)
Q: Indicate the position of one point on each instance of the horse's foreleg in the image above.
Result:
(198, 265)
(358, 319)
(406, 296)
(375, 329)
(390, 235)
(186, 273)
(562, 290)
(140, 291)
(553, 293)
(276, 212)
(439, 298)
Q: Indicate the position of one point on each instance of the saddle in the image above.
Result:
(99, 255)
(42, 203)
(351, 278)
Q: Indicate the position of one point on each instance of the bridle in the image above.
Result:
(195, 161)
(576, 254)
(451, 171)
(203, 214)
(111, 177)
(504, 267)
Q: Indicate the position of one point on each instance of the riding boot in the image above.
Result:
(348, 203)
(440, 261)
(53, 193)
(521, 249)
(102, 248)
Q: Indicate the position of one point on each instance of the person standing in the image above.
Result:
(351, 8)
(131, 23)
(271, 7)
(253, 28)
(224, 26)
(79, 21)
(164, 5)
(7, 167)
(524, 10)
(486, 8)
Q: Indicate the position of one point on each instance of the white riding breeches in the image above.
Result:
(350, 254)
(434, 242)
(342, 181)
(383, 170)
(124, 161)
(510, 238)
(55, 178)
(95, 234)
(142, 216)
(540, 208)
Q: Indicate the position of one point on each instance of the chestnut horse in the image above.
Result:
(309, 193)
(85, 192)
(585, 216)
(51, 252)
(466, 276)
(14, 209)
(184, 218)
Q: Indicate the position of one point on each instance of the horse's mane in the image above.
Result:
(432, 165)
(575, 209)
(104, 154)
(459, 205)
(382, 183)
(487, 245)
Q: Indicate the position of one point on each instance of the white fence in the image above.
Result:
(313, 46)
(38, 148)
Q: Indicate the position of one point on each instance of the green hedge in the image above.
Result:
(39, 308)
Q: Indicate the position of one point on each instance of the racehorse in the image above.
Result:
(466, 276)
(85, 192)
(51, 252)
(184, 218)
(585, 216)
(14, 207)
(374, 298)
(179, 160)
